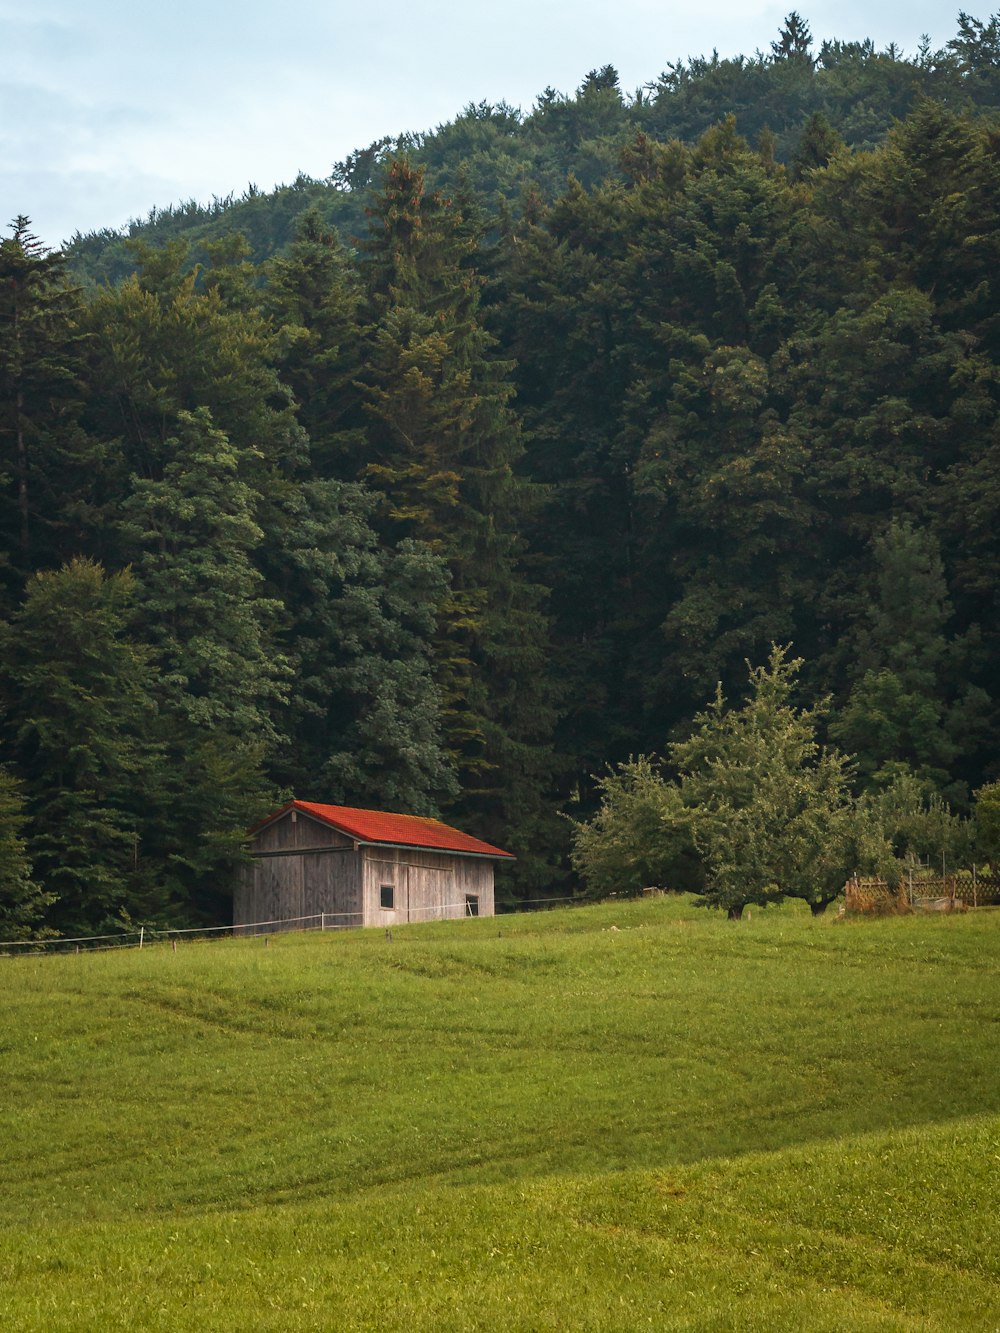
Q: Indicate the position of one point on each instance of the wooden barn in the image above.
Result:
(338, 866)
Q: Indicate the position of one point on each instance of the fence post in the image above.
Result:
(974, 902)
(142, 931)
(322, 921)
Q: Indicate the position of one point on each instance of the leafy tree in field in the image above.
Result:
(22, 901)
(639, 838)
(80, 731)
(918, 825)
(988, 822)
(770, 809)
(761, 810)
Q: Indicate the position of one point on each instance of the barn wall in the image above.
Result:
(301, 868)
(428, 885)
(475, 877)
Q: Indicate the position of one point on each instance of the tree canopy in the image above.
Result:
(464, 476)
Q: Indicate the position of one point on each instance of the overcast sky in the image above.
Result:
(108, 109)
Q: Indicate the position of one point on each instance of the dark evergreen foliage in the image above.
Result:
(614, 395)
(443, 446)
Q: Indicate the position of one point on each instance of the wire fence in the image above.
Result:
(142, 936)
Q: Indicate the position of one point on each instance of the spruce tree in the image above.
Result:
(40, 365)
(911, 706)
(191, 537)
(166, 343)
(444, 444)
(312, 296)
(770, 809)
(22, 901)
(80, 722)
(362, 725)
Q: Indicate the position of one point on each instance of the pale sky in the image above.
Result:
(108, 109)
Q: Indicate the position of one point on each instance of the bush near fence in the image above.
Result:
(873, 897)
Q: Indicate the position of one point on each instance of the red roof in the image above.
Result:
(399, 830)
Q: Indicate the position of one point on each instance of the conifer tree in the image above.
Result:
(191, 537)
(80, 728)
(312, 296)
(911, 707)
(794, 40)
(362, 724)
(164, 344)
(770, 809)
(39, 398)
(363, 720)
(444, 446)
(22, 901)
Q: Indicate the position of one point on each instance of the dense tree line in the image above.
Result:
(796, 100)
(455, 518)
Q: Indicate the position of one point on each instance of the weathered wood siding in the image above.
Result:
(296, 830)
(304, 869)
(427, 886)
(301, 868)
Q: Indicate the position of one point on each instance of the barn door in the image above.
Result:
(430, 890)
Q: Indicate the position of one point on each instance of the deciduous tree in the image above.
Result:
(769, 806)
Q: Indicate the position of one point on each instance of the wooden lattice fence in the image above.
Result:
(918, 891)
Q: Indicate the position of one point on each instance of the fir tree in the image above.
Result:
(312, 296)
(445, 443)
(363, 721)
(910, 708)
(39, 397)
(81, 732)
(191, 537)
(22, 901)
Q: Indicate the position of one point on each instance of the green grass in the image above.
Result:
(534, 1122)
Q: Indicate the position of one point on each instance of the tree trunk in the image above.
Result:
(735, 912)
(818, 909)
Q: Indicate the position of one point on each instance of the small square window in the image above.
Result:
(472, 904)
(387, 897)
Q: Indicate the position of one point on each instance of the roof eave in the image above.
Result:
(443, 851)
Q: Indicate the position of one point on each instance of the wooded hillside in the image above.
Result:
(443, 484)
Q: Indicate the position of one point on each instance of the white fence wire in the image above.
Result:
(144, 935)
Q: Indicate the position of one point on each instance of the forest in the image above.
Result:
(452, 482)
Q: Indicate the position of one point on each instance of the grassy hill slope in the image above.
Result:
(612, 1117)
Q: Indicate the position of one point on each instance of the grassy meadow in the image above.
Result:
(617, 1117)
